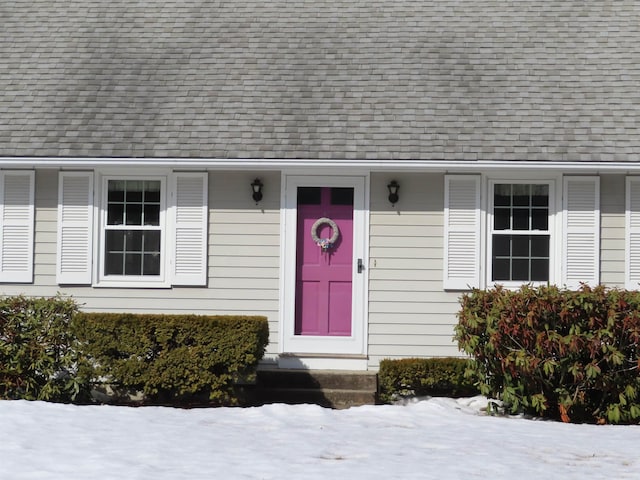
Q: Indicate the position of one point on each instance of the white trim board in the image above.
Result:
(288, 341)
(448, 166)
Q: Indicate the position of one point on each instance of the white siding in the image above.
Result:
(243, 263)
(612, 231)
(410, 314)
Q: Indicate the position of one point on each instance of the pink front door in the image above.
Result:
(324, 276)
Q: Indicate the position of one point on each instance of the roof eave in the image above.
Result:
(284, 163)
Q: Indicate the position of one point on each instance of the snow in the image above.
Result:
(437, 438)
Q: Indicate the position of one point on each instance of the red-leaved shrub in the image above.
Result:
(563, 354)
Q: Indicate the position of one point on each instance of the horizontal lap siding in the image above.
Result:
(243, 261)
(45, 250)
(409, 313)
(612, 234)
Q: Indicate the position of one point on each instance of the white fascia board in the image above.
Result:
(444, 166)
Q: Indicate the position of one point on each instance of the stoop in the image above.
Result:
(328, 388)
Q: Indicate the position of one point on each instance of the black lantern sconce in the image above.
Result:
(393, 187)
(256, 188)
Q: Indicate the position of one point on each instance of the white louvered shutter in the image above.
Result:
(17, 210)
(632, 243)
(581, 239)
(462, 232)
(75, 227)
(190, 208)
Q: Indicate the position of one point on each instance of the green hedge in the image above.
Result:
(570, 355)
(414, 377)
(37, 349)
(171, 359)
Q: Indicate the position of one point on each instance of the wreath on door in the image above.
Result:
(325, 243)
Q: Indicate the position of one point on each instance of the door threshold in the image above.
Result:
(322, 361)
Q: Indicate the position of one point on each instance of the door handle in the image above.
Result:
(360, 265)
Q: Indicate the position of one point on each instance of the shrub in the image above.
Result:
(171, 359)
(570, 355)
(37, 349)
(424, 376)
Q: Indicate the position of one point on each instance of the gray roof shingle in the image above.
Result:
(316, 79)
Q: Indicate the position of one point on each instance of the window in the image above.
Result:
(524, 234)
(133, 230)
(133, 224)
(152, 230)
(519, 229)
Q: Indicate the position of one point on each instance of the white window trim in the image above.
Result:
(356, 344)
(138, 281)
(553, 230)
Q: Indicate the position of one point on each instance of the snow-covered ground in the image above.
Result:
(439, 438)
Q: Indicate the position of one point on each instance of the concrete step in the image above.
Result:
(329, 398)
(323, 379)
(333, 389)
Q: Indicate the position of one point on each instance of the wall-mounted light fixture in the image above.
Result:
(256, 188)
(393, 187)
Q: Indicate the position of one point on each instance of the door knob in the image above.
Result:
(360, 265)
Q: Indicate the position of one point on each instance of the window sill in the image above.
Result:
(131, 284)
(517, 285)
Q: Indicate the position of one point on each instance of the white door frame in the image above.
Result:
(356, 344)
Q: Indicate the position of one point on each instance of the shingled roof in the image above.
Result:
(321, 79)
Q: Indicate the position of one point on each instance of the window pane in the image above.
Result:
(502, 245)
(539, 219)
(133, 214)
(116, 191)
(151, 214)
(152, 242)
(521, 195)
(133, 264)
(134, 191)
(501, 269)
(520, 270)
(342, 196)
(114, 263)
(540, 246)
(540, 195)
(309, 195)
(115, 240)
(502, 195)
(521, 219)
(151, 264)
(502, 219)
(115, 214)
(152, 191)
(114, 245)
(133, 241)
(520, 245)
(539, 270)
